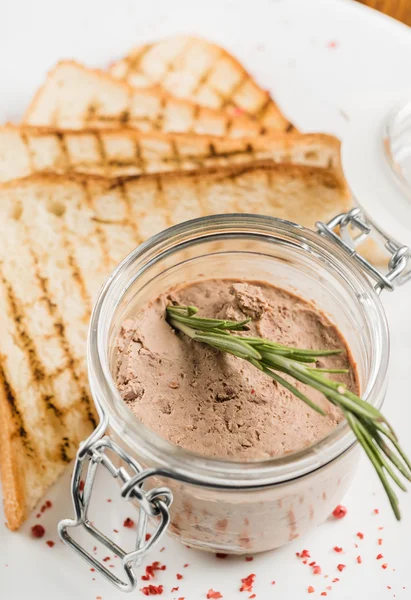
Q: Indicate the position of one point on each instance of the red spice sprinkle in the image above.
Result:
(376, 511)
(92, 569)
(129, 523)
(175, 589)
(359, 560)
(179, 576)
(317, 570)
(148, 535)
(95, 549)
(329, 588)
(186, 565)
(337, 549)
(360, 535)
(252, 596)
(81, 485)
(152, 590)
(38, 531)
(355, 545)
(388, 587)
(106, 558)
(221, 555)
(253, 391)
(38, 516)
(341, 567)
(214, 595)
(273, 583)
(380, 528)
(310, 589)
(384, 566)
(380, 541)
(332, 44)
(249, 558)
(323, 594)
(115, 530)
(311, 564)
(303, 554)
(379, 556)
(335, 580)
(248, 583)
(50, 544)
(339, 511)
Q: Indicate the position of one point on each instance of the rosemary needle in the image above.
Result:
(369, 426)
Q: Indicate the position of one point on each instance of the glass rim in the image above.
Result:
(210, 471)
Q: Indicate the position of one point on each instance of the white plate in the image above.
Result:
(316, 57)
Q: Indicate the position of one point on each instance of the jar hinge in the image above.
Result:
(153, 503)
(399, 268)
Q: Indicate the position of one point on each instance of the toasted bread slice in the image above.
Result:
(198, 70)
(76, 97)
(60, 236)
(26, 150)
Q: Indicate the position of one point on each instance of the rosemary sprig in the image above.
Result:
(370, 427)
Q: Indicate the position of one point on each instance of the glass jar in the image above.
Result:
(219, 505)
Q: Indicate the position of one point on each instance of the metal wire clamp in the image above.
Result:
(399, 268)
(153, 503)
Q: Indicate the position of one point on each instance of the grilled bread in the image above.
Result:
(115, 152)
(60, 236)
(198, 70)
(75, 97)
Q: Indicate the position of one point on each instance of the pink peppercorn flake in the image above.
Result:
(337, 549)
(323, 594)
(175, 589)
(310, 589)
(186, 565)
(252, 596)
(335, 580)
(384, 566)
(50, 543)
(380, 541)
(109, 500)
(211, 594)
(179, 576)
(341, 567)
(38, 531)
(81, 485)
(332, 44)
(339, 511)
(360, 535)
(106, 559)
(247, 583)
(376, 511)
(316, 570)
(379, 556)
(249, 558)
(359, 560)
(129, 523)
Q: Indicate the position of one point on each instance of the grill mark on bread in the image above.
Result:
(61, 138)
(129, 209)
(158, 123)
(26, 141)
(133, 62)
(160, 200)
(138, 153)
(101, 153)
(227, 100)
(194, 118)
(11, 399)
(99, 232)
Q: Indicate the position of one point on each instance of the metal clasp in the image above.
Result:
(153, 503)
(399, 269)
